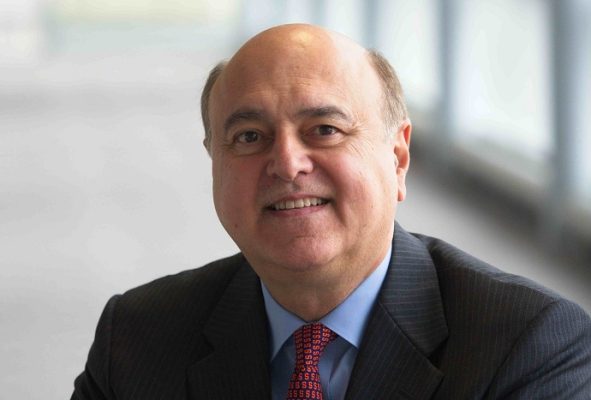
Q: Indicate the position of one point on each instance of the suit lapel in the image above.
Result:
(406, 326)
(237, 365)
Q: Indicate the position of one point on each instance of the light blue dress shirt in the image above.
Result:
(348, 321)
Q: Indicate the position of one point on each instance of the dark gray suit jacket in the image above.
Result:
(445, 326)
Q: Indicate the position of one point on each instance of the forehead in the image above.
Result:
(296, 72)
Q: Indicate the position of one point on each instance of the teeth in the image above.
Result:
(299, 203)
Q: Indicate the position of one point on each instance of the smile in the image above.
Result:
(299, 203)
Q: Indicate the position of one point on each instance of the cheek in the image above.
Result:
(354, 189)
(376, 193)
(234, 187)
(224, 185)
(367, 179)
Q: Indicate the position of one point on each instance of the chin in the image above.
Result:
(306, 259)
(296, 253)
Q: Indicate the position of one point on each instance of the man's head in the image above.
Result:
(309, 138)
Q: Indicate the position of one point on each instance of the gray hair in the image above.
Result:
(213, 76)
(394, 107)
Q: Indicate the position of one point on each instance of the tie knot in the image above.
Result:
(310, 341)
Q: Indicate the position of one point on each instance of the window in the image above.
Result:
(502, 77)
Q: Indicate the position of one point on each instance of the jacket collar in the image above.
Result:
(406, 326)
(234, 365)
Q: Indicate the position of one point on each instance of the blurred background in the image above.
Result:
(104, 184)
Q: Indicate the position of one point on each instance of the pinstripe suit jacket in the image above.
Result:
(445, 326)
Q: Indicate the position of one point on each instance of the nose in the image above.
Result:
(289, 157)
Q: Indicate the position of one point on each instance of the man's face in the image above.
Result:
(304, 179)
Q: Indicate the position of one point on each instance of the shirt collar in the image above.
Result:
(359, 304)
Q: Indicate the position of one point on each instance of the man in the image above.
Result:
(329, 298)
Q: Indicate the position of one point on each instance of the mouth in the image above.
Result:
(297, 203)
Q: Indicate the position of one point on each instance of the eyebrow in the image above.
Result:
(310, 112)
(324, 111)
(242, 115)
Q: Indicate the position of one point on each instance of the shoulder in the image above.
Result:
(208, 278)
(195, 291)
(167, 310)
(155, 330)
(526, 333)
(481, 283)
(473, 289)
(160, 325)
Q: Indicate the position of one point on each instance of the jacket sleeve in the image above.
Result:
(551, 359)
(93, 383)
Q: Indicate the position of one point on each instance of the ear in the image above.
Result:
(402, 155)
(207, 145)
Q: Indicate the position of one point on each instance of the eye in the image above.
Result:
(325, 130)
(248, 141)
(248, 137)
(324, 135)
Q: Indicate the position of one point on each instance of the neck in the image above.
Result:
(308, 304)
(311, 298)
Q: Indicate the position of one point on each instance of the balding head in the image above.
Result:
(290, 50)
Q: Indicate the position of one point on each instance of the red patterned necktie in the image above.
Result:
(310, 341)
